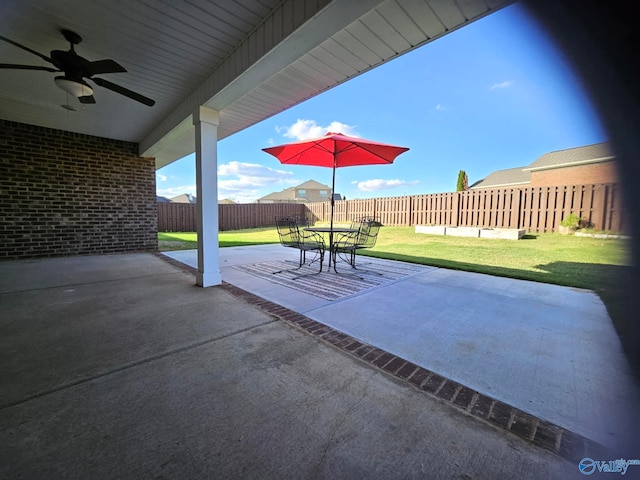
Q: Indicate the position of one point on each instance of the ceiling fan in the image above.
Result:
(76, 70)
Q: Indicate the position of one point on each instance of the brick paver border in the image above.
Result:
(568, 445)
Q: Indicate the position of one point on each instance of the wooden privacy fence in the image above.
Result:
(181, 217)
(535, 209)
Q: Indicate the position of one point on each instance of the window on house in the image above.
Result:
(301, 193)
(324, 194)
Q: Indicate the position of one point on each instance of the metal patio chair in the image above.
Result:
(347, 245)
(292, 236)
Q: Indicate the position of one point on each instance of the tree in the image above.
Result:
(463, 181)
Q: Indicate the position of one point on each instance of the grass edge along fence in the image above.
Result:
(535, 209)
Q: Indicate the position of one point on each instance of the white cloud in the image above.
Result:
(440, 107)
(239, 181)
(160, 177)
(379, 184)
(174, 191)
(504, 84)
(304, 129)
(249, 179)
(253, 173)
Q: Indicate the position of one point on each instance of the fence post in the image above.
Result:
(410, 212)
(455, 209)
(514, 220)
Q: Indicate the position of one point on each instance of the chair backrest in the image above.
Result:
(288, 231)
(368, 233)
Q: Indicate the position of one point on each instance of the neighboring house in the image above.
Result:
(160, 199)
(226, 201)
(183, 198)
(309, 191)
(573, 166)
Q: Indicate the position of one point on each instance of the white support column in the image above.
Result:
(206, 122)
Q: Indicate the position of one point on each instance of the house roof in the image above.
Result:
(502, 178)
(290, 194)
(184, 198)
(313, 185)
(286, 194)
(596, 153)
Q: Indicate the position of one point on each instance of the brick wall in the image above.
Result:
(604, 172)
(64, 193)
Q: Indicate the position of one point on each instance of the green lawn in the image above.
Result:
(601, 265)
(168, 241)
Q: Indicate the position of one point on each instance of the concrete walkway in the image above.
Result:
(120, 367)
(548, 350)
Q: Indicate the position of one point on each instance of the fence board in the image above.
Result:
(535, 209)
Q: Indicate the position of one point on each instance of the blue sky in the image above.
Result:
(493, 95)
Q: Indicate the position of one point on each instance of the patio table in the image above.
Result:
(331, 231)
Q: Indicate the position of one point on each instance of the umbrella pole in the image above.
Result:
(333, 191)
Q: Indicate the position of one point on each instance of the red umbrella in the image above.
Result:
(335, 150)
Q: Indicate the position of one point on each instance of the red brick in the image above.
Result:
(419, 376)
(406, 370)
(394, 365)
(433, 383)
(448, 390)
(383, 359)
(501, 414)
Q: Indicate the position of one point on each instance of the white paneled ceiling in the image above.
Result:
(250, 59)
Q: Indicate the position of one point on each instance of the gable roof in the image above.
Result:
(596, 153)
(313, 185)
(286, 194)
(503, 178)
(183, 198)
(290, 194)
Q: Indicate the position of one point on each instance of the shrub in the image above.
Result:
(571, 221)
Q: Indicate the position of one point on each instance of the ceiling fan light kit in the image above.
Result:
(77, 89)
(76, 69)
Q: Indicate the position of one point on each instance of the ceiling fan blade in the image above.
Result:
(124, 91)
(87, 99)
(44, 57)
(104, 66)
(27, 67)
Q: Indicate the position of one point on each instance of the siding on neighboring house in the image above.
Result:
(64, 193)
(592, 173)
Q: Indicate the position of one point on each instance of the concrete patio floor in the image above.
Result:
(548, 350)
(118, 366)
